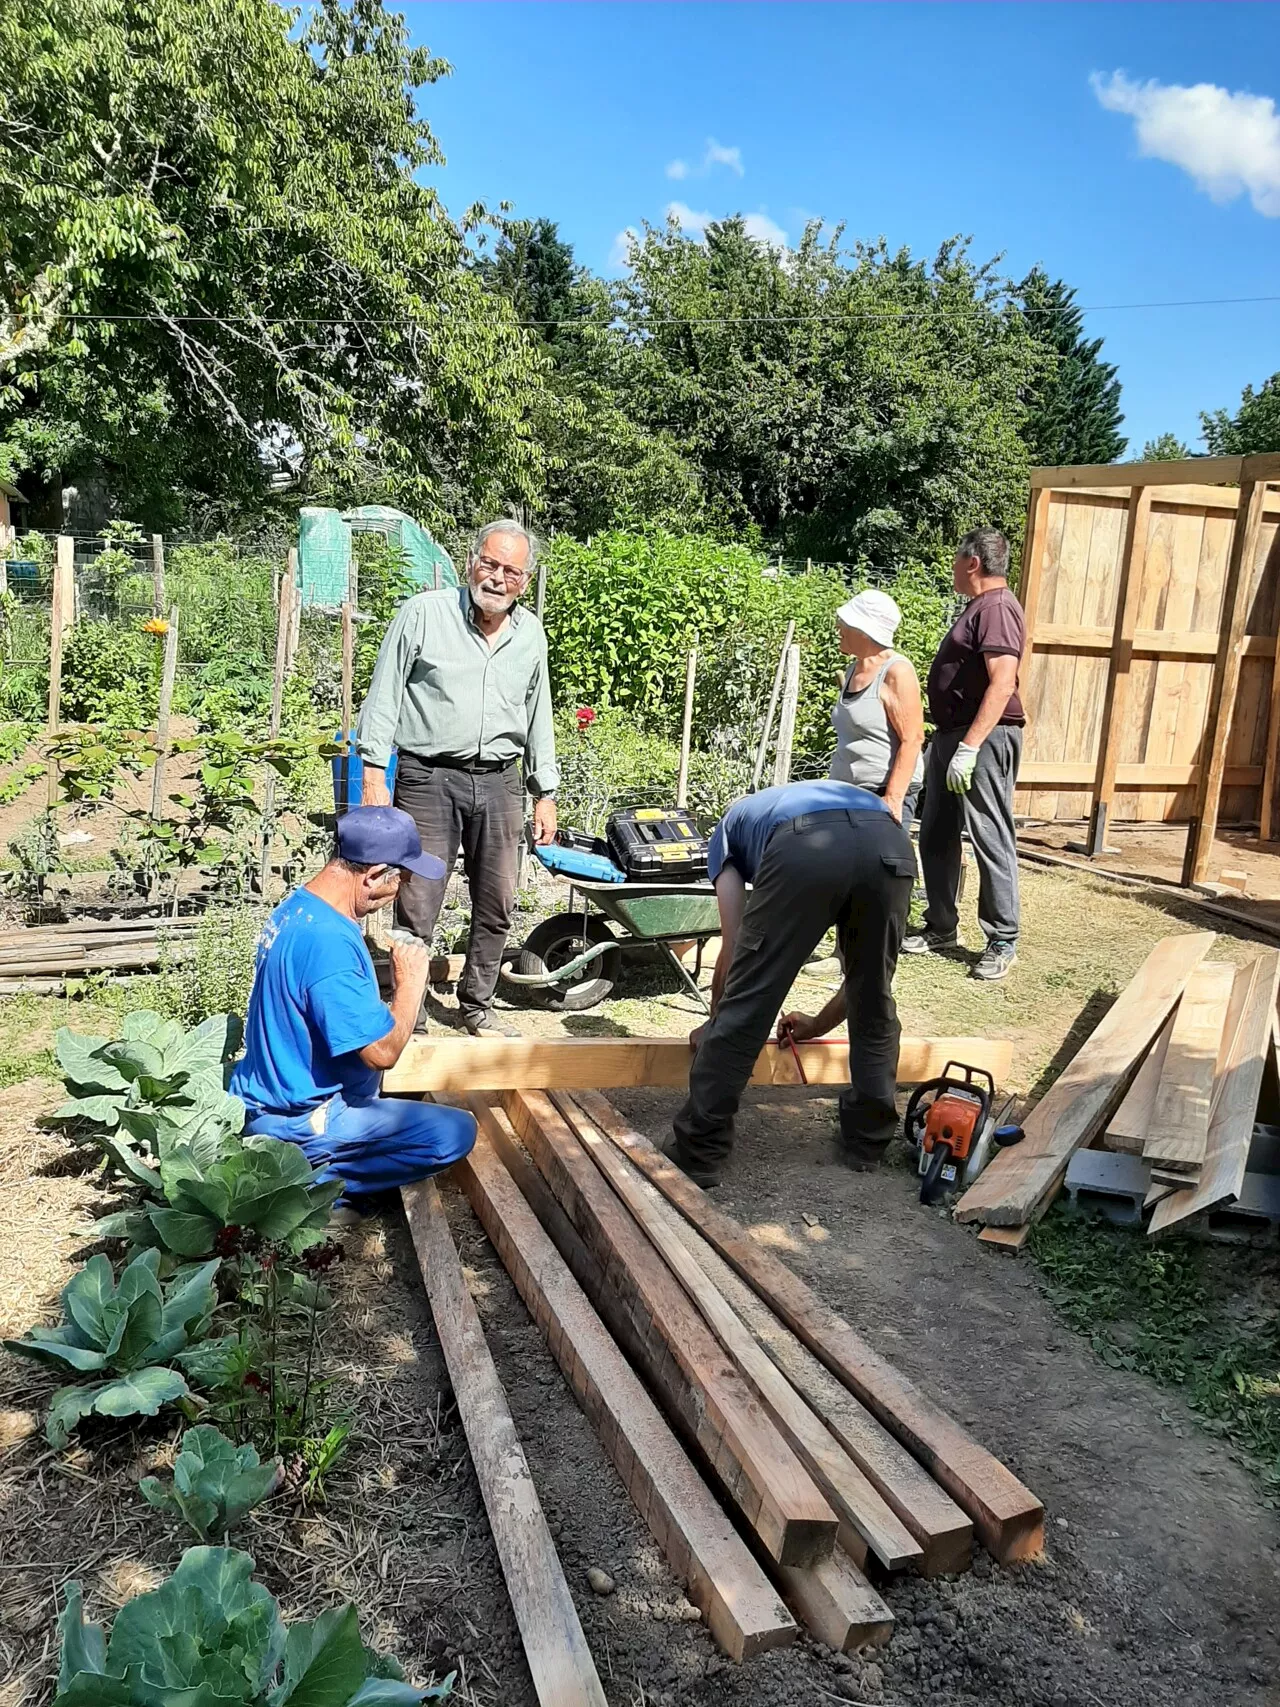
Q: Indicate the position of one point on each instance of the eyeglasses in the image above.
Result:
(491, 566)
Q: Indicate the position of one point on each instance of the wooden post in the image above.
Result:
(1032, 564)
(348, 675)
(295, 611)
(157, 574)
(1267, 814)
(540, 598)
(1226, 677)
(758, 769)
(1116, 701)
(686, 733)
(787, 718)
(168, 674)
(284, 628)
(61, 615)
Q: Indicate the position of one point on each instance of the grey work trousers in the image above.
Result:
(986, 812)
(853, 870)
(483, 812)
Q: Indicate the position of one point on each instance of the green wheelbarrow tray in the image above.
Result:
(656, 913)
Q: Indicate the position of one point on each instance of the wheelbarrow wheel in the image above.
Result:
(554, 943)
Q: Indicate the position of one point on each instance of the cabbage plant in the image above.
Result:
(215, 1482)
(119, 1338)
(212, 1637)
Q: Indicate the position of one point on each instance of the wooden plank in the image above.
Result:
(1217, 731)
(704, 1551)
(168, 675)
(787, 717)
(1031, 574)
(463, 1064)
(1007, 1239)
(837, 1604)
(1179, 1128)
(1007, 1517)
(1235, 1098)
(1151, 642)
(1019, 1184)
(1214, 470)
(1116, 693)
(944, 1533)
(62, 615)
(1038, 774)
(703, 1392)
(1267, 812)
(866, 1521)
(1128, 1127)
(560, 1663)
(1204, 497)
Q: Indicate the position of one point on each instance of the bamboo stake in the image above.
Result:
(787, 718)
(348, 676)
(686, 734)
(167, 676)
(284, 625)
(61, 609)
(763, 748)
(157, 574)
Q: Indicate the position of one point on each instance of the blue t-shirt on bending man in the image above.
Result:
(741, 836)
(314, 1006)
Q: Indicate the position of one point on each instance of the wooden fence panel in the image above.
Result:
(1180, 568)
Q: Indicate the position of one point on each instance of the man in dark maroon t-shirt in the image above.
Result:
(972, 765)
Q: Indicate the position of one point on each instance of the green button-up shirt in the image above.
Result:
(440, 690)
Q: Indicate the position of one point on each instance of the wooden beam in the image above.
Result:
(1213, 470)
(1038, 774)
(1008, 1518)
(1179, 1131)
(703, 1393)
(62, 614)
(1020, 1183)
(168, 675)
(1128, 1127)
(1200, 497)
(1031, 574)
(866, 1521)
(451, 1065)
(1235, 1097)
(944, 1533)
(837, 1605)
(1115, 703)
(787, 717)
(1236, 594)
(560, 1663)
(1151, 642)
(1007, 1239)
(700, 1544)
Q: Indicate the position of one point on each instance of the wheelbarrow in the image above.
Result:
(574, 959)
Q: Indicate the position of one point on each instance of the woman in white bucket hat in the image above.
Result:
(878, 719)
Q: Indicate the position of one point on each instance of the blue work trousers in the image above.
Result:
(378, 1145)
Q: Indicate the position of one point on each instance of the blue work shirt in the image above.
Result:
(740, 838)
(314, 1006)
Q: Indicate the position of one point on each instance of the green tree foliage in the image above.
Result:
(534, 269)
(218, 262)
(1074, 412)
(1167, 448)
(1253, 429)
(848, 405)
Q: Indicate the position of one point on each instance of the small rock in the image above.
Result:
(810, 1220)
(601, 1582)
(1062, 1523)
(690, 1613)
(872, 1682)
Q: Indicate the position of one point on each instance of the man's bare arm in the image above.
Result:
(1002, 679)
(410, 969)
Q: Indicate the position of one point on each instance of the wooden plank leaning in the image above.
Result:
(867, 1523)
(942, 1531)
(704, 1551)
(564, 1674)
(1020, 1183)
(1179, 1130)
(1007, 1517)
(1235, 1097)
(1128, 1127)
(462, 1065)
(704, 1394)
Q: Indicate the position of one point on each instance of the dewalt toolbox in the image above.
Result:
(658, 844)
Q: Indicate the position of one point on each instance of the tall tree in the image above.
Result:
(217, 264)
(1167, 448)
(1254, 428)
(534, 269)
(1073, 410)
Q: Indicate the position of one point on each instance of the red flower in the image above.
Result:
(586, 717)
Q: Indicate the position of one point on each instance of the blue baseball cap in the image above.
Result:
(384, 835)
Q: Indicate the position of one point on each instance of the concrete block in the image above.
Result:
(1110, 1182)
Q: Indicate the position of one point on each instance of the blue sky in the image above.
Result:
(912, 121)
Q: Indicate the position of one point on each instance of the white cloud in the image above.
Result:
(760, 226)
(718, 155)
(620, 254)
(678, 169)
(1229, 143)
(693, 224)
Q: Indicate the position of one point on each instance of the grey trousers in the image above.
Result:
(986, 812)
(853, 870)
(483, 812)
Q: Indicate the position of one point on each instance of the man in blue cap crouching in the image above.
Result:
(319, 1036)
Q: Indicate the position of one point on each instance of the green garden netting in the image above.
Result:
(324, 550)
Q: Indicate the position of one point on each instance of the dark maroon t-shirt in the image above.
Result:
(988, 625)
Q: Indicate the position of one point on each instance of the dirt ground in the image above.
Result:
(1161, 1580)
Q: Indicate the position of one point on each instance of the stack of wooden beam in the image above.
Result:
(1172, 1075)
(781, 1464)
(36, 959)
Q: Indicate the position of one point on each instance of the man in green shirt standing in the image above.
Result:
(461, 691)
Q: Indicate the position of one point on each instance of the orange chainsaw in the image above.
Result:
(949, 1121)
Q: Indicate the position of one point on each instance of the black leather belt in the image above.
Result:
(482, 765)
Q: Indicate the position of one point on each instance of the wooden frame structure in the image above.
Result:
(1152, 671)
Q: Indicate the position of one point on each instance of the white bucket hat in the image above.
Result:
(875, 613)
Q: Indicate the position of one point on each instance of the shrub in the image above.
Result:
(218, 975)
(111, 675)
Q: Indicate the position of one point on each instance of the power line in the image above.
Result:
(928, 311)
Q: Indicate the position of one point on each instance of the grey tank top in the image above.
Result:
(866, 741)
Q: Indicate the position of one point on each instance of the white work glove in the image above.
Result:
(960, 770)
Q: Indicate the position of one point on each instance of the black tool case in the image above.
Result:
(658, 844)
